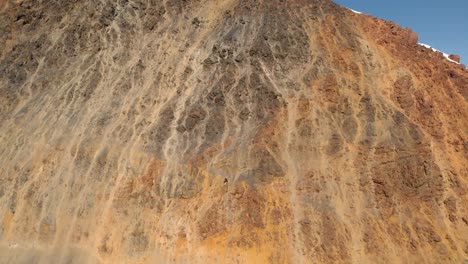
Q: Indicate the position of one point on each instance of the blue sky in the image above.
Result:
(440, 24)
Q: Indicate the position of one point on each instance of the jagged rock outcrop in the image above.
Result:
(455, 57)
(226, 131)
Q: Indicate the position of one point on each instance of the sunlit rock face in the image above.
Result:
(226, 131)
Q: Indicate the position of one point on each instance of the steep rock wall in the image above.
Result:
(226, 131)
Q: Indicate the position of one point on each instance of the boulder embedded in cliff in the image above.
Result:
(411, 36)
(455, 57)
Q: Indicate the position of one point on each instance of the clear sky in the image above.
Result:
(442, 24)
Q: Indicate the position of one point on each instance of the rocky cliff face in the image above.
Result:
(205, 131)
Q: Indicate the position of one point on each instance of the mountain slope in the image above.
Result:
(226, 131)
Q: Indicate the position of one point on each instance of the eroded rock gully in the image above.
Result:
(226, 132)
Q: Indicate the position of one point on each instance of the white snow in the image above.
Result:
(445, 54)
(357, 12)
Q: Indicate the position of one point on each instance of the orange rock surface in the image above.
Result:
(226, 131)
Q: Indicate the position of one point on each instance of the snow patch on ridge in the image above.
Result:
(357, 12)
(436, 50)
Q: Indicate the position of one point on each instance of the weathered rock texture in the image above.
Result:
(455, 57)
(226, 131)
